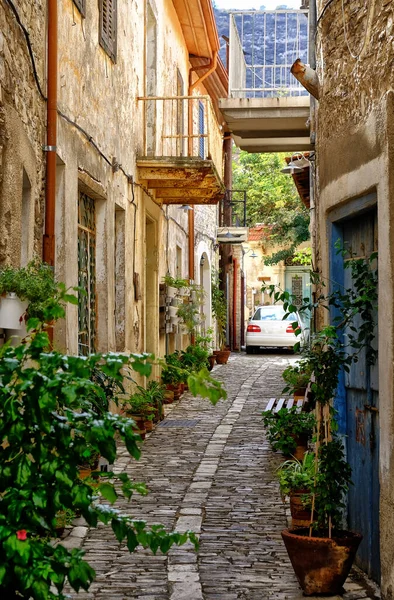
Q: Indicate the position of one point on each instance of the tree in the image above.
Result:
(272, 199)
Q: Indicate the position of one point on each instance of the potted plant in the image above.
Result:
(25, 293)
(289, 430)
(175, 285)
(322, 554)
(219, 312)
(296, 480)
(296, 378)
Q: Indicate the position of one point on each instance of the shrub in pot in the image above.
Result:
(296, 378)
(322, 554)
(289, 430)
(296, 480)
(219, 312)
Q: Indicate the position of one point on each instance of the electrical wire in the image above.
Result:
(367, 29)
(29, 47)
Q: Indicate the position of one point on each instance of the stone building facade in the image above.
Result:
(354, 190)
(122, 158)
(22, 132)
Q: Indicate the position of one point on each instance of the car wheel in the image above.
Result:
(249, 350)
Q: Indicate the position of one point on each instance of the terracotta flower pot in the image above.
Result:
(300, 516)
(211, 360)
(176, 389)
(148, 426)
(321, 564)
(301, 446)
(222, 357)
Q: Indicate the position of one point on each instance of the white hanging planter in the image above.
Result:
(11, 312)
(171, 291)
(184, 291)
(174, 320)
(175, 302)
(173, 310)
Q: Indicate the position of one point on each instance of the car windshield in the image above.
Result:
(272, 313)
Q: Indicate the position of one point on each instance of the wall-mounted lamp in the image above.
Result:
(253, 255)
(185, 207)
(202, 261)
(293, 168)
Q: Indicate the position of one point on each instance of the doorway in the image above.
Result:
(358, 401)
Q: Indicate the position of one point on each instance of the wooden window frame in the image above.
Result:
(108, 42)
(81, 6)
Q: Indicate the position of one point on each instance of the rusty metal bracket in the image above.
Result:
(371, 408)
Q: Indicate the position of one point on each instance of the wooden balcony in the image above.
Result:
(182, 160)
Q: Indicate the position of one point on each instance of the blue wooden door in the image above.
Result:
(361, 393)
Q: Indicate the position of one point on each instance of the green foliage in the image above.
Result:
(295, 475)
(219, 308)
(202, 384)
(332, 349)
(35, 283)
(284, 426)
(272, 199)
(296, 377)
(332, 483)
(49, 426)
(176, 282)
(194, 358)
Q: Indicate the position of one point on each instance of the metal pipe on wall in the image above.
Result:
(235, 275)
(50, 192)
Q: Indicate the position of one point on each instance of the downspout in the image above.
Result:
(235, 275)
(50, 192)
(211, 67)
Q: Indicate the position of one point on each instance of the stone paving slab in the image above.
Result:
(217, 478)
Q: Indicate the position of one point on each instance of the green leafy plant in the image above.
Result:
(285, 426)
(334, 349)
(48, 428)
(296, 377)
(295, 475)
(194, 358)
(176, 282)
(219, 309)
(36, 284)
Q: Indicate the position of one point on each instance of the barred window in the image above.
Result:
(87, 312)
(108, 26)
(81, 6)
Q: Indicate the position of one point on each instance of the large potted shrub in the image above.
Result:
(219, 312)
(322, 554)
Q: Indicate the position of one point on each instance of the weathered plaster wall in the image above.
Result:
(22, 132)
(355, 150)
(101, 97)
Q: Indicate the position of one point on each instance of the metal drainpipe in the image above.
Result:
(50, 194)
(235, 275)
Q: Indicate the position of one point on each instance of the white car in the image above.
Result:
(267, 328)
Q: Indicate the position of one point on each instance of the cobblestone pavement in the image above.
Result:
(213, 474)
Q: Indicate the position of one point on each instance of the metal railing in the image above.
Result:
(182, 127)
(232, 210)
(263, 47)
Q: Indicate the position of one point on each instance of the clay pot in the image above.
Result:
(222, 356)
(148, 426)
(176, 389)
(301, 447)
(140, 425)
(300, 516)
(211, 360)
(321, 564)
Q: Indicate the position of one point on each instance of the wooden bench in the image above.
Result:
(275, 404)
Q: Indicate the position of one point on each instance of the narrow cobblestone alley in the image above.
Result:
(208, 469)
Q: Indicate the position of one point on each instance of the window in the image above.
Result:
(271, 313)
(81, 6)
(86, 275)
(108, 26)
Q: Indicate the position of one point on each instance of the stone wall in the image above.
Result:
(355, 150)
(22, 131)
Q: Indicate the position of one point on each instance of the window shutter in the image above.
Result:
(108, 26)
(81, 6)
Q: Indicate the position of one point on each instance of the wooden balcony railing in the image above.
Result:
(183, 127)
